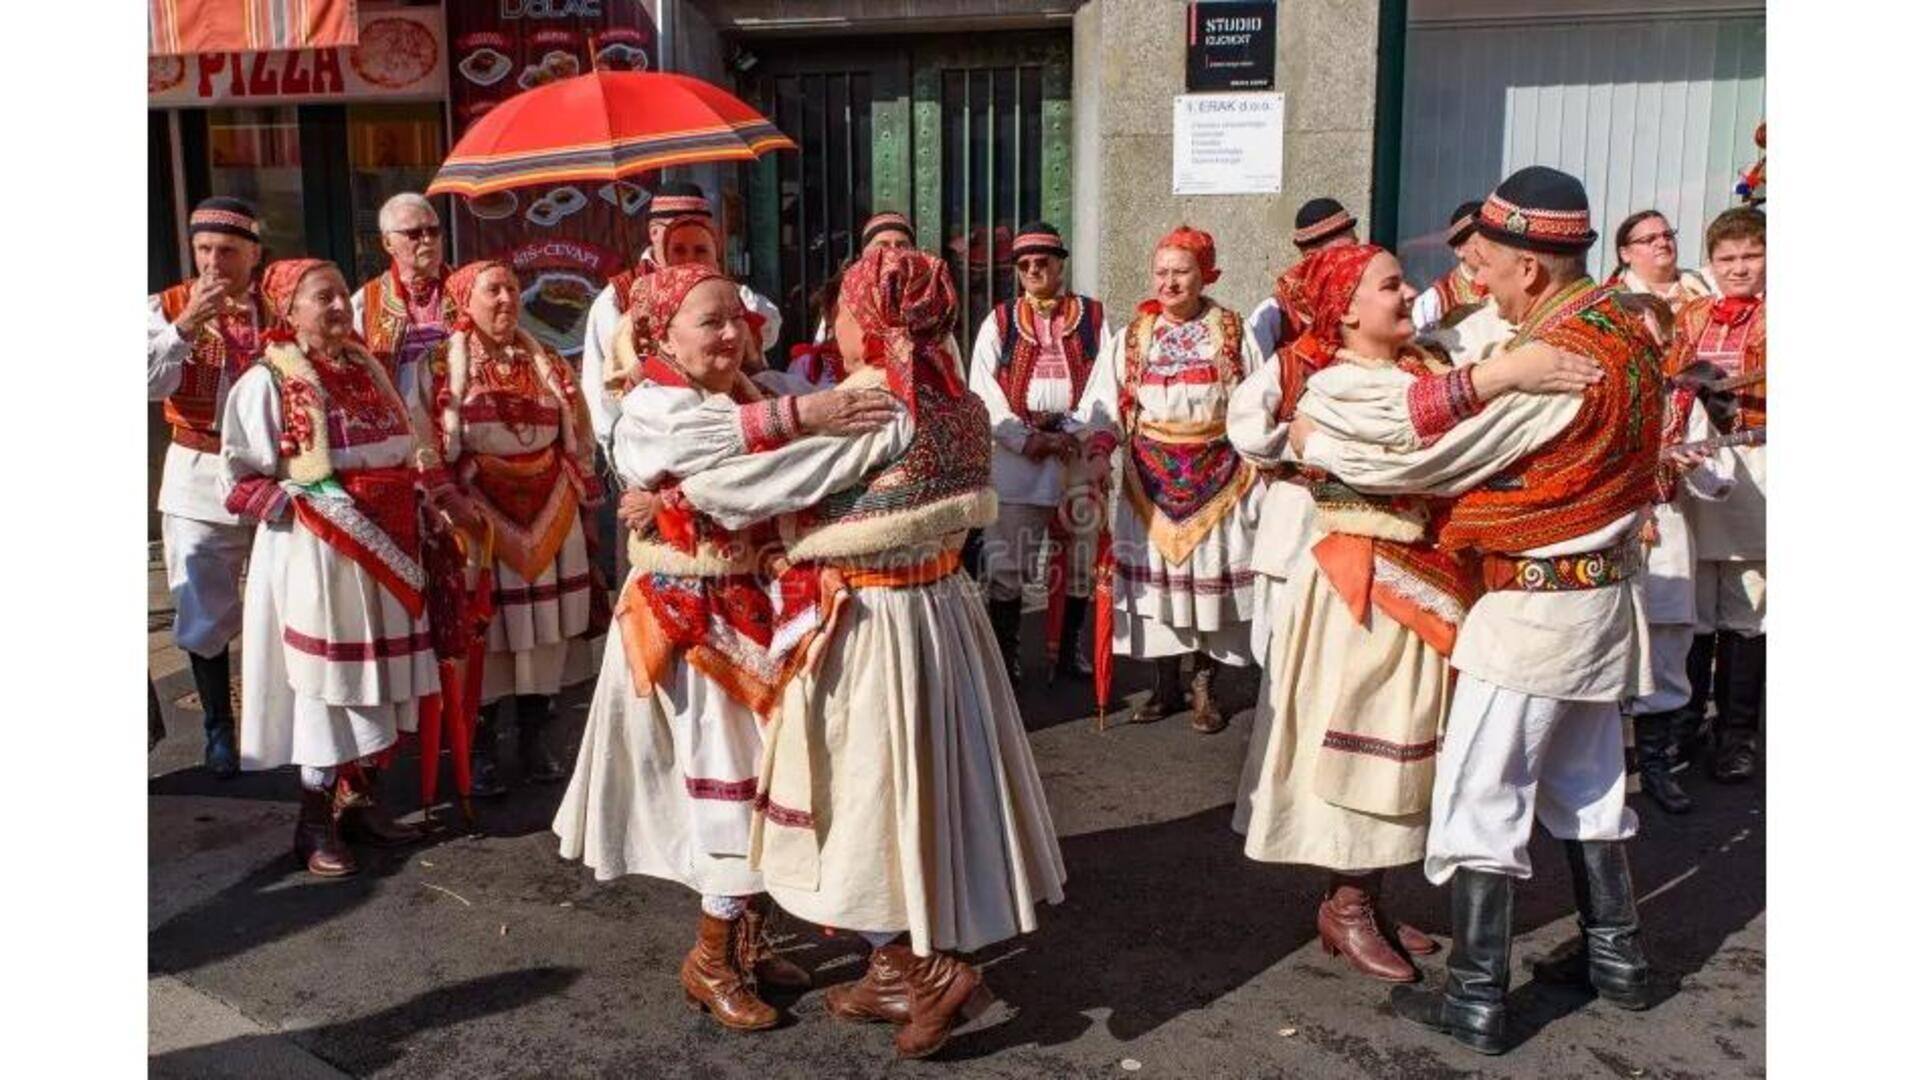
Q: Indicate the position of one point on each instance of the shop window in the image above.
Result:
(254, 154)
(390, 149)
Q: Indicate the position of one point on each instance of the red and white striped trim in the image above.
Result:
(356, 652)
(1552, 226)
(229, 218)
(675, 205)
(881, 222)
(1323, 228)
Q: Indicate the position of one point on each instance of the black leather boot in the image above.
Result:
(213, 682)
(1653, 745)
(486, 754)
(1608, 956)
(1005, 617)
(1690, 726)
(533, 712)
(1472, 1007)
(1741, 689)
(1072, 662)
(1168, 697)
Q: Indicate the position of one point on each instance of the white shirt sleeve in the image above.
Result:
(1099, 407)
(671, 431)
(250, 429)
(360, 312)
(166, 351)
(1713, 480)
(754, 487)
(1426, 310)
(1264, 325)
(602, 317)
(1477, 449)
(1008, 430)
(1253, 426)
(766, 309)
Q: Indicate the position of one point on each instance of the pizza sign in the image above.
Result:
(402, 54)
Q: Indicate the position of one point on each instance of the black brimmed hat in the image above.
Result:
(1538, 209)
(1320, 219)
(1038, 238)
(1460, 225)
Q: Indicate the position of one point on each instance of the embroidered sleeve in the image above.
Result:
(770, 424)
(1436, 403)
(260, 498)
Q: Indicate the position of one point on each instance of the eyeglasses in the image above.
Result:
(1641, 241)
(419, 233)
(1031, 265)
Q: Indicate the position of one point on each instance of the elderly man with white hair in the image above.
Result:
(403, 313)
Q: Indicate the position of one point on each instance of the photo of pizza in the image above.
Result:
(394, 53)
(165, 72)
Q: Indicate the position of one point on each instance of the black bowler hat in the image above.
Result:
(1460, 225)
(676, 199)
(1038, 238)
(1318, 220)
(1538, 209)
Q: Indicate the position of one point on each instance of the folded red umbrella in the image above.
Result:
(1102, 630)
(603, 126)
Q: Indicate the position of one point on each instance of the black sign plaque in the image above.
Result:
(1230, 46)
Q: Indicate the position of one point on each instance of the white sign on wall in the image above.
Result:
(1227, 144)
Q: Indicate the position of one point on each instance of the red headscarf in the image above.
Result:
(904, 301)
(667, 289)
(460, 285)
(1328, 279)
(1195, 241)
(277, 286)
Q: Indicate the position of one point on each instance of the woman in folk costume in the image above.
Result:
(1650, 263)
(665, 780)
(321, 450)
(510, 423)
(1183, 524)
(898, 793)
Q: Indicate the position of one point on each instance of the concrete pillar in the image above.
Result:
(1129, 63)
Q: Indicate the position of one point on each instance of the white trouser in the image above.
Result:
(1667, 647)
(204, 564)
(1508, 756)
(1013, 548)
(1731, 596)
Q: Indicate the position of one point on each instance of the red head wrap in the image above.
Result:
(1197, 242)
(277, 286)
(1328, 279)
(460, 285)
(667, 289)
(904, 301)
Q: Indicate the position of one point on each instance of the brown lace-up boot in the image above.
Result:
(316, 837)
(879, 996)
(942, 992)
(362, 816)
(1350, 928)
(769, 968)
(713, 980)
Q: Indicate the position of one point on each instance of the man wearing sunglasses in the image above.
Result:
(404, 313)
(1031, 360)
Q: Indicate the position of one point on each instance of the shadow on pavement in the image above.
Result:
(378, 1039)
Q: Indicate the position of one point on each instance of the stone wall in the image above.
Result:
(1130, 63)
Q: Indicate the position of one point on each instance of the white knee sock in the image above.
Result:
(316, 779)
(723, 907)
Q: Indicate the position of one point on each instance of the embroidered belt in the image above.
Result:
(1557, 573)
(1182, 431)
(925, 572)
(207, 442)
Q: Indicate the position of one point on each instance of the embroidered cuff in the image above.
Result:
(258, 497)
(1435, 403)
(1101, 444)
(769, 425)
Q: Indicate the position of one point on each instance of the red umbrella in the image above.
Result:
(604, 125)
(1102, 629)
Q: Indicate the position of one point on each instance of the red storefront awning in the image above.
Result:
(176, 27)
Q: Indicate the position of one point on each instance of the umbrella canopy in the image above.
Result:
(604, 125)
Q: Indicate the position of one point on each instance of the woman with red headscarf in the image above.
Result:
(665, 779)
(898, 794)
(511, 425)
(1183, 524)
(321, 450)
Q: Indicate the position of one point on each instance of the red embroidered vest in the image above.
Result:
(1080, 322)
(1735, 341)
(1602, 465)
(950, 454)
(221, 354)
(387, 316)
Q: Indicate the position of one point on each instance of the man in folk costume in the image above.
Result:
(1729, 656)
(898, 794)
(665, 779)
(510, 424)
(201, 337)
(1183, 521)
(1454, 314)
(1031, 361)
(405, 312)
(321, 450)
(1319, 223)
(672, 203)
(1550, 491)
(883, 229)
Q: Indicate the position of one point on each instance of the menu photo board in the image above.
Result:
(564, 240)
(402, 55)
